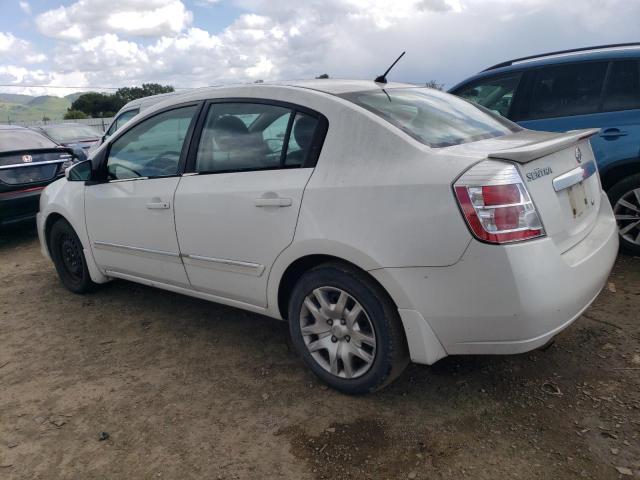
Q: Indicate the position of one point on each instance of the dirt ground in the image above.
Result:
(189, 389)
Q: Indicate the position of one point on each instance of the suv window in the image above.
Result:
(152, 148)
(565, 90)
(495, 93)
(121, 120)
(230, 143)
(623, 86)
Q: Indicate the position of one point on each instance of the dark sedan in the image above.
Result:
(29, 161)
(77, 136)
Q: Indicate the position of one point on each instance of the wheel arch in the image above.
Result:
(52, 218)
(620, 170)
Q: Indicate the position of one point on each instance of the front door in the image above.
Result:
(130, 218)
(238, 209)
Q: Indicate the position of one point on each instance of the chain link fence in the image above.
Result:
(100, 123)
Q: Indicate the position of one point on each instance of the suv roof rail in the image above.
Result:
(560, 52)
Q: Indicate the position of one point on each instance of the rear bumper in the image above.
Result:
(505, 299)
(19, 206)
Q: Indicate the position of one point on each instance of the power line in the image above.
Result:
(85, 87)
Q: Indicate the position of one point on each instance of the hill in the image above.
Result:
(15, 107)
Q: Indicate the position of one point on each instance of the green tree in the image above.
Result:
(147, 89)
(74, 115)
(434, 84)
(97, 104)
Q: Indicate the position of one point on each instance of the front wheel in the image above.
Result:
(68, 257)
(346, 329)
(625, 199)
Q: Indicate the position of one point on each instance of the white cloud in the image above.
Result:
(14, 49)
(85, 18)
(25, 7)
(97, 42)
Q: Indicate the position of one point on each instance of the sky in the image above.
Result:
(99, 44)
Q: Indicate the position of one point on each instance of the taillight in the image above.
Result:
(496, 203)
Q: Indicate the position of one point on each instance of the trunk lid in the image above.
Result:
(560, 174)
(18, 168)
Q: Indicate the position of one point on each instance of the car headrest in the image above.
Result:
(303, 131)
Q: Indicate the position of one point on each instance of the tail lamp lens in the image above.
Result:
(496, 203)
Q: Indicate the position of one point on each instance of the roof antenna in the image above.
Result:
(383, 78)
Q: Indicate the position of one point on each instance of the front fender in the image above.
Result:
(66, 199)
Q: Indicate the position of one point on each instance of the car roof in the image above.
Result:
(331, 86)
(557, 58)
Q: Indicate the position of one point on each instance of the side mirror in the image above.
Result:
(80, 172)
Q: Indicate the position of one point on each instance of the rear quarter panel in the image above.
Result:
(379, 192)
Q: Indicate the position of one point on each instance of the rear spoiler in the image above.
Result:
(545, 144)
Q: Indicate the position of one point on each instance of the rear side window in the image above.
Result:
(623, 86)
(431, 117)
(495, 93)
(254, 136)
(565, 90)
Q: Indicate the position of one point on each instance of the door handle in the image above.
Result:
(158, 205)
(273, 202)
(613, 133)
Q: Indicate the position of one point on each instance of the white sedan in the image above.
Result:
(383, 222)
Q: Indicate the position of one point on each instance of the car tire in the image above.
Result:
(68, 257)
(623, 196)
(332, 303)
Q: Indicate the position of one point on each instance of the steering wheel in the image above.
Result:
(161, 163)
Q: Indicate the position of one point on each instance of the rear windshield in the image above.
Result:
(71, 133)
(434, 118)
(23, 139)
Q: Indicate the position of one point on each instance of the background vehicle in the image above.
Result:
(572, 89)
(132, 108)
(29, 161)
(76, 136)
(385, 222)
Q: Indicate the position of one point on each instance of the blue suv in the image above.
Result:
(580, 88)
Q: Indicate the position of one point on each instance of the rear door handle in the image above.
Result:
(273, 202)
(158, 205)
(613, 133)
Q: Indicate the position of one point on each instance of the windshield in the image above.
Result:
(71, 133)
(23, 139)
(434, 118)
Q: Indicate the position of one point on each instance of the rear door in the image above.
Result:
(238, 208)
(600, 94)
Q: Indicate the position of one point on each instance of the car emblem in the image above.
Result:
(27, 159)
(578, 155)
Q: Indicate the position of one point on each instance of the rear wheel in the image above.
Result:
(68, 257)
(346, 329)
(625, 198)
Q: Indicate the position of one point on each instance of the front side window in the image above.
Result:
(566, 90)
(252, 136)
(496, 93)
(623, 86)
(434, 118)
(152, 148)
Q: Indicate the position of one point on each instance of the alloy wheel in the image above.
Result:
(627, 212)
(338, 332)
